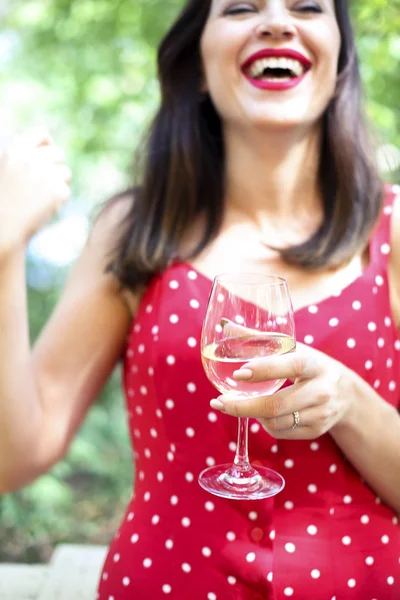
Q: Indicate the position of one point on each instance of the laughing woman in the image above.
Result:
(258, 160)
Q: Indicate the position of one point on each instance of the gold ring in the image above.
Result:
(296, 419)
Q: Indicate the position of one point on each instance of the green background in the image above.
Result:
(86, 69)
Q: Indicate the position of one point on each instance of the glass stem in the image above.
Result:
(242, 454)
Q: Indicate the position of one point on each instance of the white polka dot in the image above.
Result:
(333, 468)
(149, 308)
(192, 275)
(190, 432)
(390, 580)
(174, 319)
(369, 560)
(166, 588)
(289, 463)
(389, 363)
(130, 516)
(397, 345)
(141, 348)
(153, 432)
(173, 285)
(155, 519)
(210, 462)
(346, 540)
(392, 386)
(171, 360)
(170, 456)
(231, 580)
(388, 210)
(368, 365)
(185, 522)
(139, 410)
(126, 581)
(356, 305)
(347, 499)
(351, 343)
(137, 328)
(191, 387)
(155, 330)
(351, 583)
(288, 591)
(169, 544)
(209, 506)
(211, 596)
(192, 342)
(314, 446)
(134, 538)
(270, 577)
(385, 249)
(189, 477)
(170, 404)
(147, 496)
(315, 574)
(251, 557)
(147, 452)
(232, 446)
(105, 576)
(308, 339)
(381, 343)
(379, 280)
(312, 488)
(385, 539)
(289, 547)
(160, 476)
(212, 417)
(272, 534)
(395, 521)
(239, 319)
(147, 562)
(372, 326)
(116, 557)
(255, 427)
(312, 530)
(194, 303)
(313, 309)
(206, 551)
(274, 449)
(388, 321)
(253, 516)
(174, 500)
(230, 536)
(334, 322)
(289, 505)
(186, 568)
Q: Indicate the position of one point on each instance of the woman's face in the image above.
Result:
(270, 63)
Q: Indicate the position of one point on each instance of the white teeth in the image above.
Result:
(291, 64)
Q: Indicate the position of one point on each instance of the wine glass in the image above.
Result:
(248, 316)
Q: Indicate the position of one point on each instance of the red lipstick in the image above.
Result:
(276, 85)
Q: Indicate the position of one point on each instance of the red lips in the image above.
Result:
(277, 85)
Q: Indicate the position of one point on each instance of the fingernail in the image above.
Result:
(243, 374)
(217, 405)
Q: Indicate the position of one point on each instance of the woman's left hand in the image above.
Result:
(320, 396)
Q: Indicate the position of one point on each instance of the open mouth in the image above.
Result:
(276, 69)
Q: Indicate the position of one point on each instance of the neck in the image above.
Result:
(273, 177)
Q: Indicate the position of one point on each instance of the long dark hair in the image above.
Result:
(182, 170)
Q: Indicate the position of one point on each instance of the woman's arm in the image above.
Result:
(45, 394)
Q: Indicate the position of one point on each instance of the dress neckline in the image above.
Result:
(364, 273)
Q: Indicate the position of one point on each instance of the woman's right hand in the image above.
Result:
(34, 184)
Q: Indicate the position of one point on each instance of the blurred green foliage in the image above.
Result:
(86, 69)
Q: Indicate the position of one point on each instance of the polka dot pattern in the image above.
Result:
(325, 536)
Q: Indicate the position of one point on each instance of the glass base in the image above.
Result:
(228, 481)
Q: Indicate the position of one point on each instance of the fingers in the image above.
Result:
(316, 419)
(282, 403)
(294, 365)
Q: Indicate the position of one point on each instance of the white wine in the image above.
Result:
(222, 358)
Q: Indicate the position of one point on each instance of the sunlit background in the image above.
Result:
(86, 70)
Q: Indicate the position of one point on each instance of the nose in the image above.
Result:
(276, 24)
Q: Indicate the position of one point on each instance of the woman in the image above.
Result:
(257, 161)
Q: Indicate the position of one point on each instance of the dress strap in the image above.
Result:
(380, 243)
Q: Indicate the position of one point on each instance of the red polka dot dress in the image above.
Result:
(326, 536)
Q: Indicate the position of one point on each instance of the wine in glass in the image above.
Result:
(248, 316)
